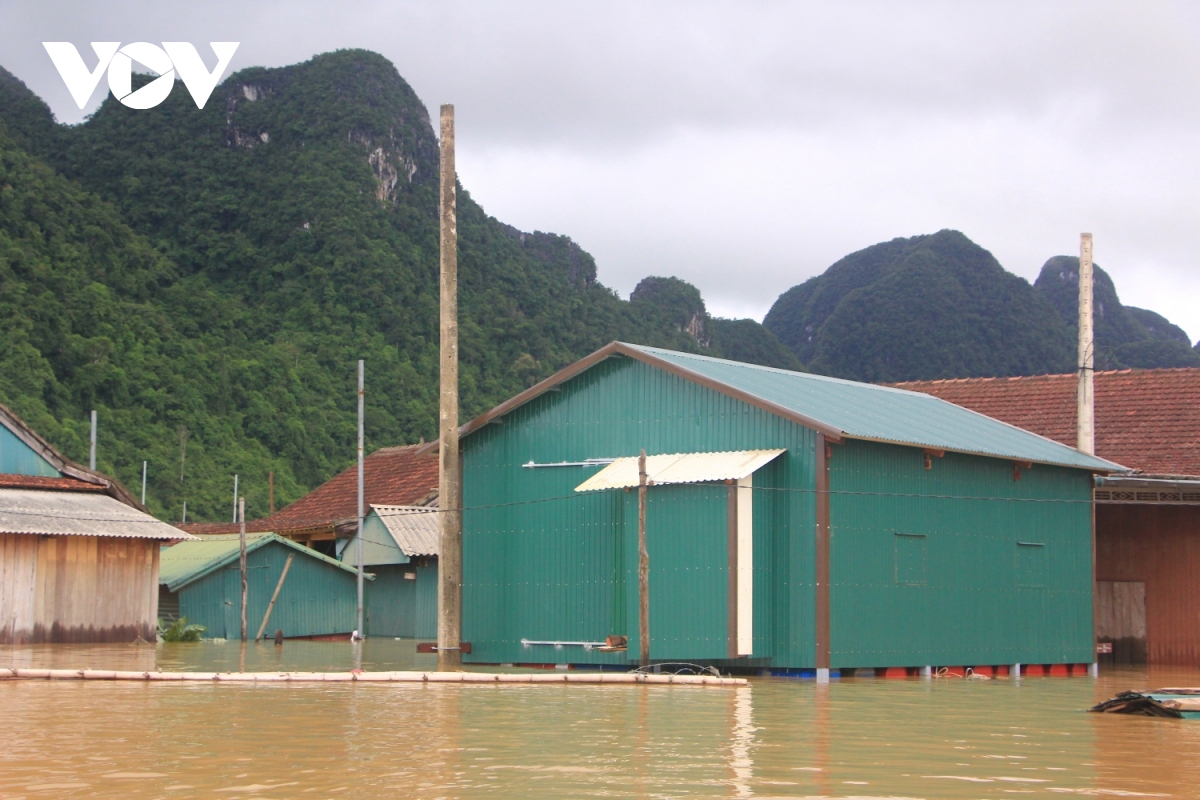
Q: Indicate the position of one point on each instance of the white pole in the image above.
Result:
(92, 449)
(143, 483)
(359, 538)
(182, 521)
(235, 498)
(1085, 409)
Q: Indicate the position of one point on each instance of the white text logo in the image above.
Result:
(165, 61)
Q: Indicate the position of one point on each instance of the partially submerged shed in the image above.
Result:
(201, 580)
(400, 546)
(796, 521)
(78, 555)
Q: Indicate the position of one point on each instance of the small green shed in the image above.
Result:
(201, 580)
(400, 547)
(795, 521)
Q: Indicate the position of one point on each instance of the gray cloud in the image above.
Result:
(746, 146)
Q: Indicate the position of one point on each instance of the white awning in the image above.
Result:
(680, 468)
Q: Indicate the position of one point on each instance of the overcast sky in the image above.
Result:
(747, 146)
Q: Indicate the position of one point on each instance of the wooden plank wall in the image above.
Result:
(1158, 545)
(77, 589)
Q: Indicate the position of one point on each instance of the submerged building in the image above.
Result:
(1147, 521)
(78, 554)
(400, 548)
(793, 521)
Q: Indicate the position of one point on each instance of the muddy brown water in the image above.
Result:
(858, 738)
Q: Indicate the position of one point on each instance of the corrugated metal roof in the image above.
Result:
(55, 513)
(189, 561)
(879, 413)
(415, 528)
(680, 468)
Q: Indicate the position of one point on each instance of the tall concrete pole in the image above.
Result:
(1085, 398)
(358, 547)
(449, 468)
(92, 447)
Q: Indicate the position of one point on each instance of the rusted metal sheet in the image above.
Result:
(622, 473)
(77, 589)
(1158, 545)
(47, 513)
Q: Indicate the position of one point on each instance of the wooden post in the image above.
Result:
(1085, 419)
(358, 548)
(449, 472)
(271, 492)
(241, 513)
(275, 596)
(643, 568)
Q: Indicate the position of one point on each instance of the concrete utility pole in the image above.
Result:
(358, 547)
(92, 448)
(1085, 397)
(643, 568)
(449, 469)
(235, 498)
(241, 513)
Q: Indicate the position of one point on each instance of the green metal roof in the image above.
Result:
(188, 562)
(880, 413)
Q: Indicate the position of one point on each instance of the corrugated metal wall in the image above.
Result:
(939, 579)
(553, 570)
(317, 599)
(1160, 546)
(77, 588)
(398, 606)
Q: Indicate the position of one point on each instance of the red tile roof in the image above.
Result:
(63, 484)
(1146, 419)
(391, 476)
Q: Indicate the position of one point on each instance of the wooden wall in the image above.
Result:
(77, 589)
(1158, 545)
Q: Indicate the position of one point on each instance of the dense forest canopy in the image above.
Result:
(207, 280)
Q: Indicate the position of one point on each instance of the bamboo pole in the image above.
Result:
(643, 567)
(449, 473)
(358, 547)
(275, 596)
(241, 514)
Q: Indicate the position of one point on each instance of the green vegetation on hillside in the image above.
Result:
(1125, 336)
(208, 278)
(936, 306)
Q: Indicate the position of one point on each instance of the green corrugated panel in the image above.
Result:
(941, 578)
(318, 598)
(402, 606)
(554, 570)
(16, 457)
(880, 413)
(188, 561)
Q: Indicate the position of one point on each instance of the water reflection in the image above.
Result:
(776, 738)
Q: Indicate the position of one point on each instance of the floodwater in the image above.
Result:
(858, 738)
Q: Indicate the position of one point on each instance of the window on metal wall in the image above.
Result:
(1031, 565)
(910, 558)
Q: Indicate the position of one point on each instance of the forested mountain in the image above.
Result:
(207, 279)
(936, 306)
(1125, 336)
(940, 306)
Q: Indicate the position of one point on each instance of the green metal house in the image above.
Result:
(400, 547)
(794, 522)
(201, 580)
